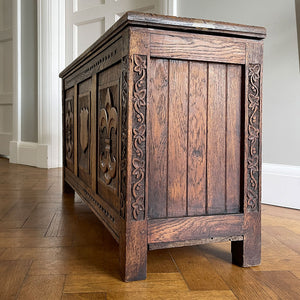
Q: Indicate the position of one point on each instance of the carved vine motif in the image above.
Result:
(108, 121)
(84, 128)
(69, 129)
(139, 136)
(253, 137)
(124, 98)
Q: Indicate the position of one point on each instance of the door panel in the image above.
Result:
(87, 20)
(5, 76)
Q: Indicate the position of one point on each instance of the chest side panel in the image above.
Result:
(195, 136)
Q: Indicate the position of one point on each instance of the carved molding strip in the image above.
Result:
(139, 136)
(124, 100)
(104, 211)
(103, 60)
(253, 137)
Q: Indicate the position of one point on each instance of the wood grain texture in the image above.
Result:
(160, 261)
(91, 264)
(75, 129)
(68, 128)
(197, 129)
(166, 22)
(158, 137)
(108, 135)
(84, 132)
(177, 138)
(94, 133)
(196, 270)
(42, 287)
(216, 120)
(12, 276)
(241, 281)
(194, 47)
(85, 296)
(177, 118)
(133, 230)
(248, 252)
(164, 245)
(101, 282)
(283, 283)
(233, 138)
(172, 295)
(193, 228)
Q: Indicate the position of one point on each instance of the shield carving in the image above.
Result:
(84, 127)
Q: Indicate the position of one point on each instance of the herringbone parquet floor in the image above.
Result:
(53, 247)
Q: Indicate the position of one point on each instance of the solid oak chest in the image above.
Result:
(162, 135)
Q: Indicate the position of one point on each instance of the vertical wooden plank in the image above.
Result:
(75, 130)
(94, 132)
(197, 138)
(216, 138)
(158, 136)
(177, 148)
(233, 138)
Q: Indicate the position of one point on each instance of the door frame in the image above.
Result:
(47, 152)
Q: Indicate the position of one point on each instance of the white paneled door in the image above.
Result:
(6, 76)
(87, 20)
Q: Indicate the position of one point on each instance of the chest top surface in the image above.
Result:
(145, 20)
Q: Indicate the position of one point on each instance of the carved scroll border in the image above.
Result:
(254, 77)
(124, 126)
(139, 136)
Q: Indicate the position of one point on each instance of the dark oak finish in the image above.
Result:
(162, 135)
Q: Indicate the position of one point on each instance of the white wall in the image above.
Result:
(29, 130)
(281, 87)
(5, 76)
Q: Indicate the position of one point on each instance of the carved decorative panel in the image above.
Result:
(84, 131)
(69, 132)
(124, 127)
(139, 136)
(108, 122)
(254, 74)
(108, 136)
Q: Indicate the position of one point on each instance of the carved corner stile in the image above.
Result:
(254, 94)
(139, 136)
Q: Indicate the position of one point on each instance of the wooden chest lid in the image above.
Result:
(147, 20)
(193, 25)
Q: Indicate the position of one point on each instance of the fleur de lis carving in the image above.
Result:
(108, 121)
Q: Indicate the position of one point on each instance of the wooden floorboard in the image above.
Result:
(53, 247)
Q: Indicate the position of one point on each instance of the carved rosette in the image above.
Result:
(253, 137)
(124, 98)
(139, 136)
(69, 124)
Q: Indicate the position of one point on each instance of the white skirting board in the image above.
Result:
(31, 154)
(281, 185)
